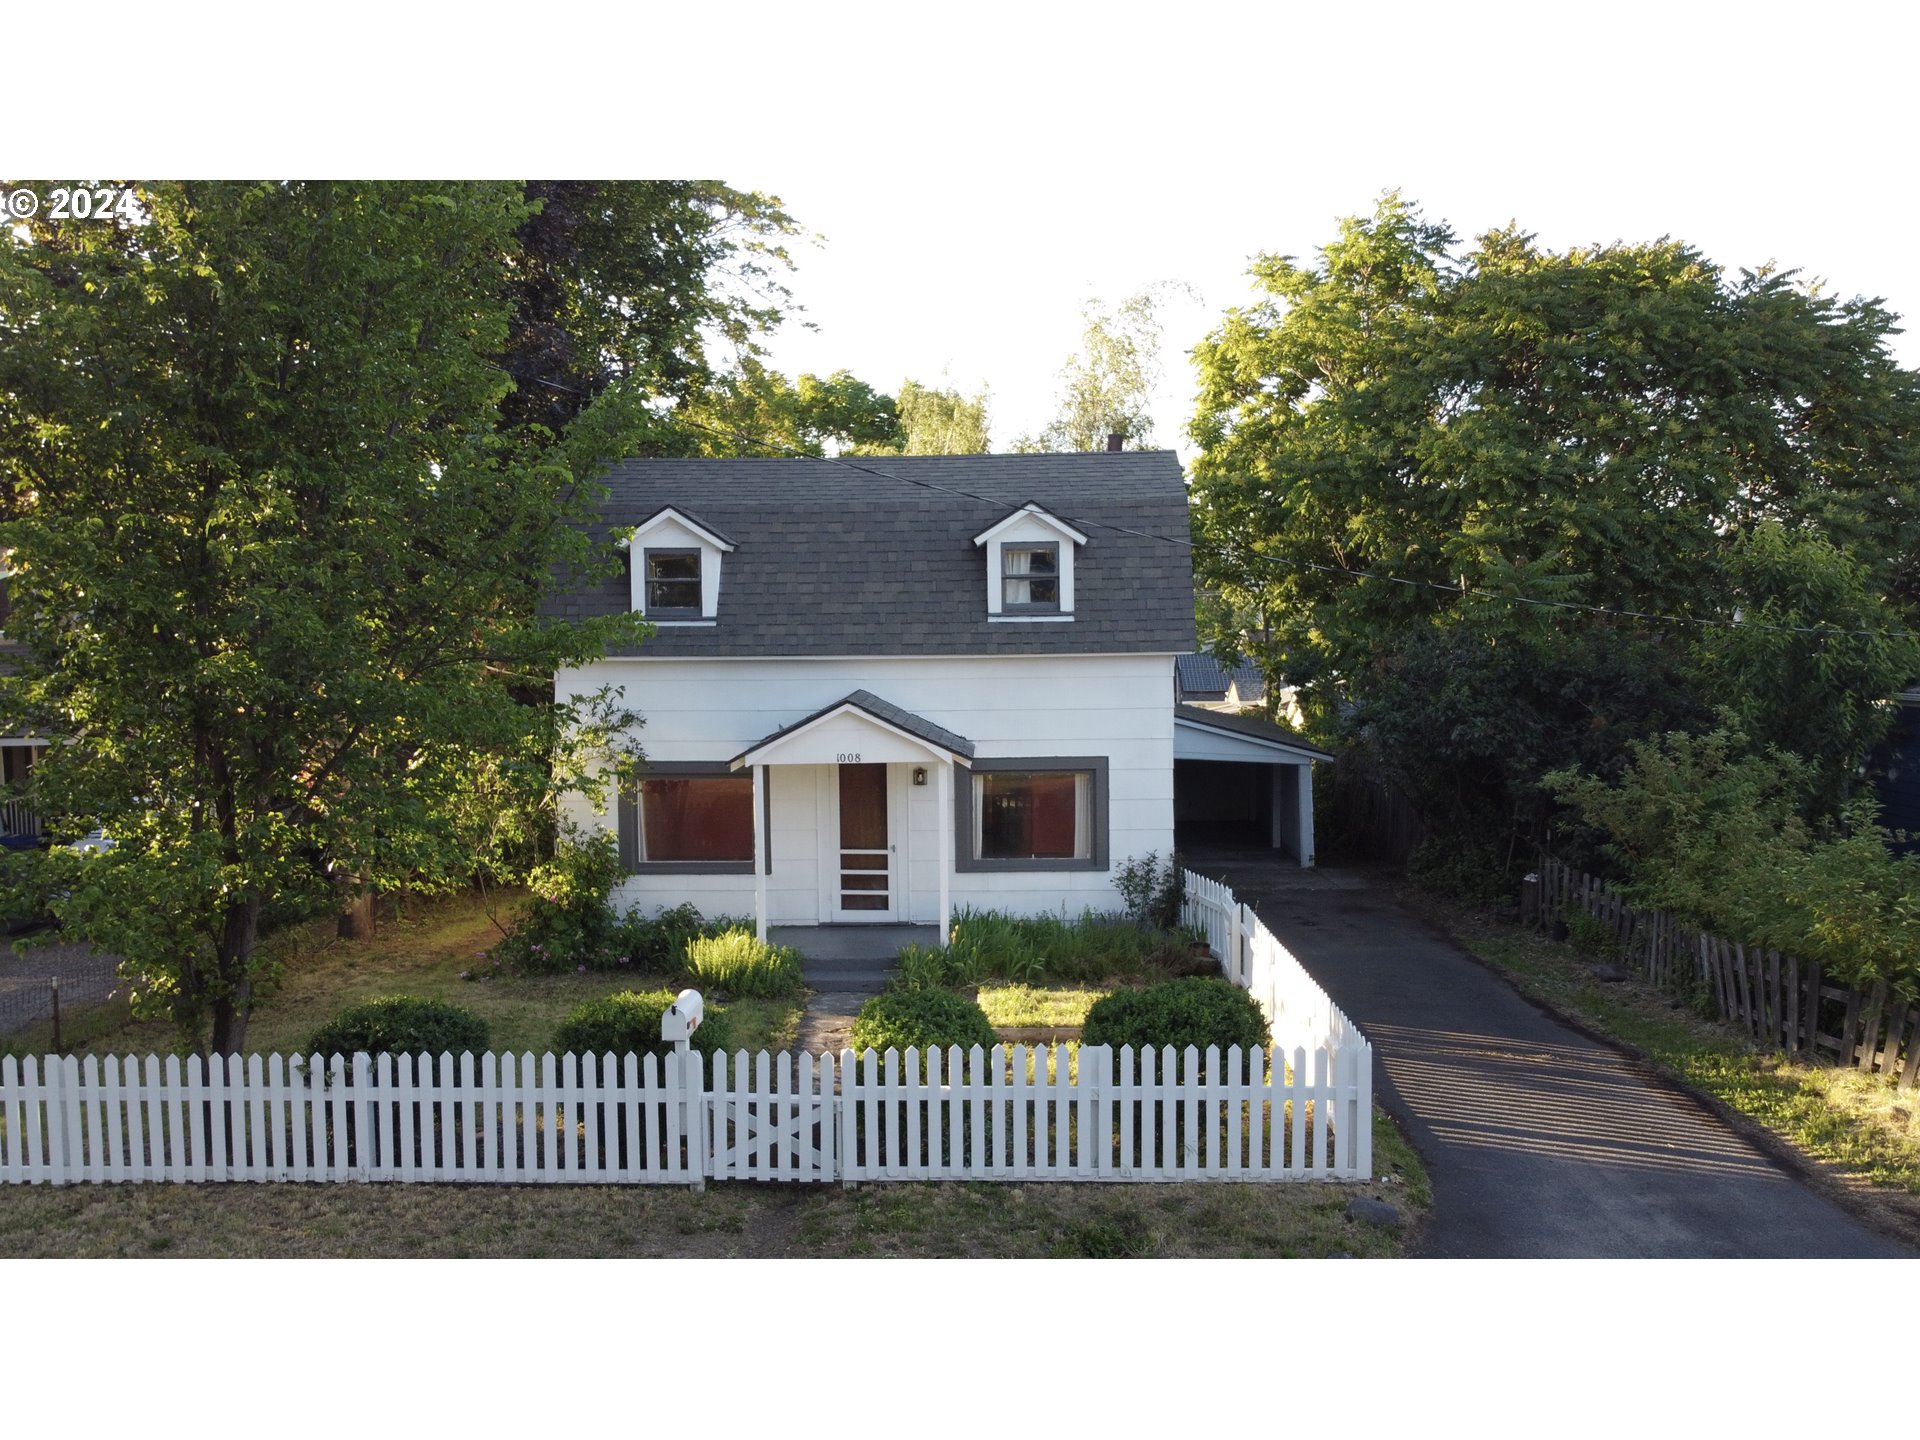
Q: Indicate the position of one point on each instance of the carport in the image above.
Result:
(1240, 779)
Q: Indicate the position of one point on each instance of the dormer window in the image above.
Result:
(1030, 557)
(1030, 577)
(673, 584)
(674, 568)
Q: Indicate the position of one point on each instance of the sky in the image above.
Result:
(1779, 134)
(976, 176)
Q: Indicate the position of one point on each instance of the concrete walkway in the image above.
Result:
(845, 966)
(1539, 1141)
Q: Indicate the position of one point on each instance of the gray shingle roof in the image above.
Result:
(885, 710)
(1254, 725)
(1202, 674)
(834, 561)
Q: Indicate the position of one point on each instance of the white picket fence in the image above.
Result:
(1048, 1113)
(1299, 1012)
(1303, 1111)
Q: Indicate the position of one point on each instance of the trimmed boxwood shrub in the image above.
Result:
(629, 1023)
(925, 1018)
(1197, 1011)
(402, 1025)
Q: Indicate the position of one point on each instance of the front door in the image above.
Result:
(866, 858)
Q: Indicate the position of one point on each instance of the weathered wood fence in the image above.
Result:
(1005, 1114)
(1781, 1002)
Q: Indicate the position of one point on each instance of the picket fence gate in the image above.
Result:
(1012, 1113)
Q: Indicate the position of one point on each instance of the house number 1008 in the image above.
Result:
(848, 757)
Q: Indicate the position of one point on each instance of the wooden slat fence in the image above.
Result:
(1781, 1002)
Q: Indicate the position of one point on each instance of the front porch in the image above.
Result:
(867, 757)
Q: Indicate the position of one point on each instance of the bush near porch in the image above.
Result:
(987, 945)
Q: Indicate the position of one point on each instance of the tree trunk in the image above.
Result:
(232, 1008)
(356, 921)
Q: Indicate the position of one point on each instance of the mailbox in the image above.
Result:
(683, 1017)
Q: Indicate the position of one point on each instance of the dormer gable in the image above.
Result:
(1030, 556)
(674, 568)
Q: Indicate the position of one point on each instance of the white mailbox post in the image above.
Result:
(677, 1023)
(682, 1018)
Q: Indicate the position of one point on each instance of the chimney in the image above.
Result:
(1115, 439)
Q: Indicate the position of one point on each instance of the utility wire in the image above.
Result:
(1242, 558)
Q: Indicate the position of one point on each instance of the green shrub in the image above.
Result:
(925, 1018)
(1195, 1011)
(1589, 936)
(987, 945)
(402, 1025)
(1474, 875)
(921, 967)
(1152, 894)
(742, 964)
(658, 942)
(629, 1023)
(567, 925)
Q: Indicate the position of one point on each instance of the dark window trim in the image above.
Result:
(1035, 608)
(674, 612)
(963, 860)
(627, 818)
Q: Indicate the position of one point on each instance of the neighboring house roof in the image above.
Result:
(871, 704)
(1252, 727)
(835, 561)
(1203, 676)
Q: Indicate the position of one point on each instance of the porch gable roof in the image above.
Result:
(920, 733)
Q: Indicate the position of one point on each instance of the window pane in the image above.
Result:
(1030, 577)
(1031, 815)
(1038, 562)
(697, 818)
(668, 566)
(673, 581)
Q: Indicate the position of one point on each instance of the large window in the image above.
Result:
(1040, 814)
(673, 582)
(1030, 577)
(684, 819)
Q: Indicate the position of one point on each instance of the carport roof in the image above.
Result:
(1247, 727)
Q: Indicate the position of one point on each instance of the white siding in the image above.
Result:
(1120, 707)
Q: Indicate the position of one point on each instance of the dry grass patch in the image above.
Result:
(428, 954)
(1056, 1007)
(728, 1220)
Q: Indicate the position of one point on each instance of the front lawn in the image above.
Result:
(429, 954)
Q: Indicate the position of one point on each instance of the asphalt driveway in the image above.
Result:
(1539, 1141)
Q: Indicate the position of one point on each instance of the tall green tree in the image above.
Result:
(939, 420)
(1586, 427)
(1402, 442)
(1106, 387)
(752, 409)
(631, 283)
(277, 560)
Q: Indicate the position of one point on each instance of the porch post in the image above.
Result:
(760, 850)
(945, 807)
(1306, 814)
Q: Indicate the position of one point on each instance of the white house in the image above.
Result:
(878, 698)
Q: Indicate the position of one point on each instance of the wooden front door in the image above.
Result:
(865, 889)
